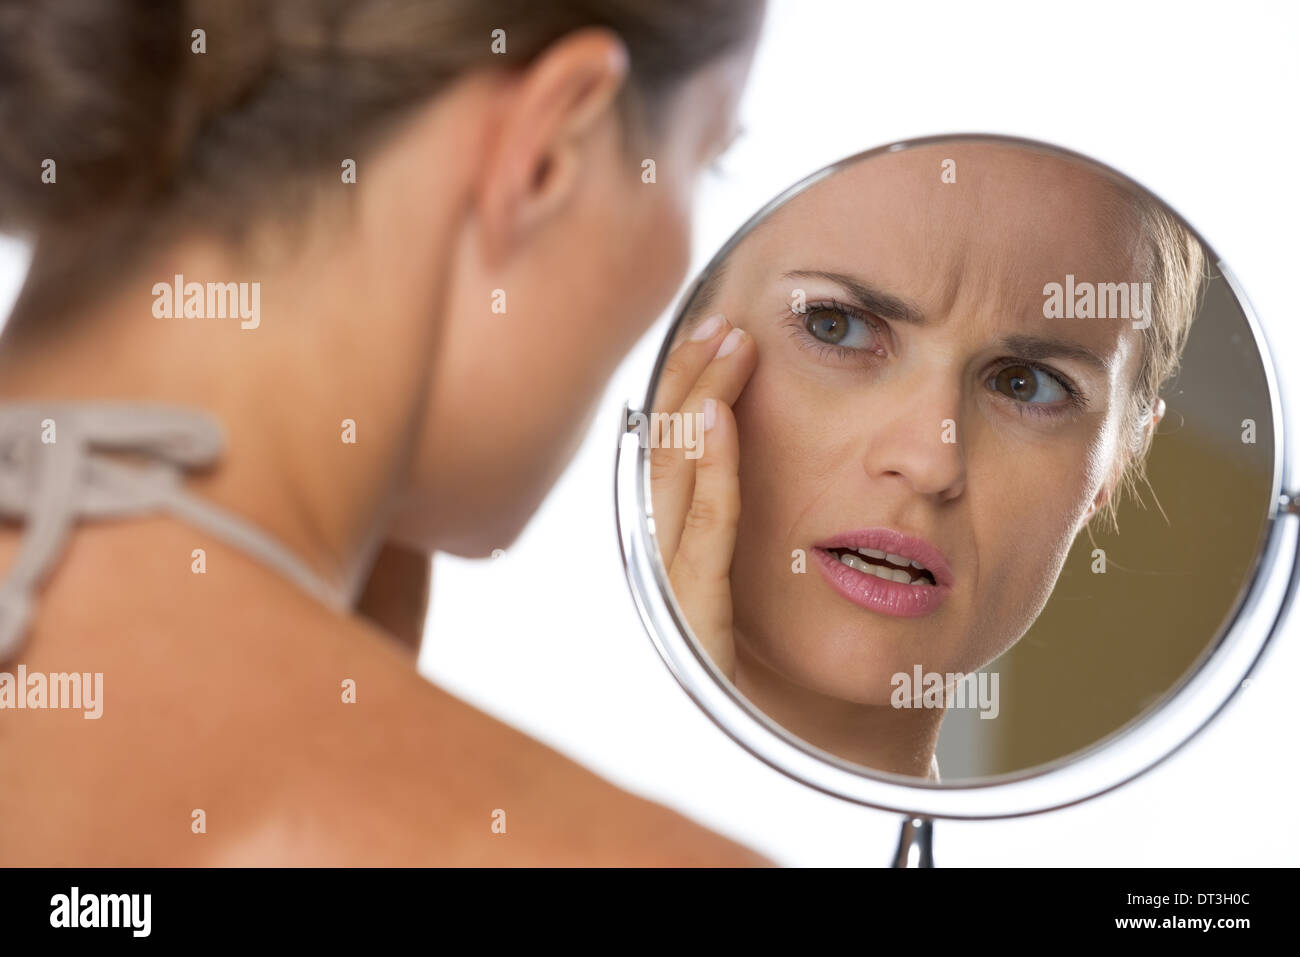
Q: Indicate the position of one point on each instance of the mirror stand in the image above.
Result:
(915, 843)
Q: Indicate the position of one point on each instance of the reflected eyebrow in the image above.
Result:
(866, 296)
(1032, 348)
(886, 306)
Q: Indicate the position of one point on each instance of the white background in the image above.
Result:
(1198, 101)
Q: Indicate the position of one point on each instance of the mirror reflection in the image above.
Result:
(960, 458)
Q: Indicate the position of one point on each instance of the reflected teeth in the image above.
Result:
(880, 571)
(890, 557)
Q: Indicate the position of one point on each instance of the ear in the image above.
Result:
(1157, 414)
(534, 161)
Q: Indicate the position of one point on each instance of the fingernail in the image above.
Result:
(710, 413)
(707, 327)
(731, 343)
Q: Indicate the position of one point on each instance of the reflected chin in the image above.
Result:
(839, 664)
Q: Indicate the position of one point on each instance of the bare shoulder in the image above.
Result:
(244, 724)
(386, 768)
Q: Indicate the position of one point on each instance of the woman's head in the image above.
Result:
(919, 374)
(268, 129)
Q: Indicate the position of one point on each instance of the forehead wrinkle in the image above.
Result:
(942, 234)
(1103, 235)
(953, 225)
(982, 274)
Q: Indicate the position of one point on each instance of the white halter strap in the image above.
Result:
(51, 476)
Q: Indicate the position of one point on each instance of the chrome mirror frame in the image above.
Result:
(1115, 760)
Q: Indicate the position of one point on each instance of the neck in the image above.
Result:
(345, 335)
(881, 737)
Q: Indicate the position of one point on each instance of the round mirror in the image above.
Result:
(959, 487)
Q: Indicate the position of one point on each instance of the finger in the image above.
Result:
(687, 360)
(725, 376)
(672, 462)
(701, 570)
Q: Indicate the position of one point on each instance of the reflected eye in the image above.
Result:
(1029, 384)
(835, 326)
(827, 325)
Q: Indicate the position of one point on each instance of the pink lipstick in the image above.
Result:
(886, 571)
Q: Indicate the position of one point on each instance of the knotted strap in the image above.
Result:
(52, 474)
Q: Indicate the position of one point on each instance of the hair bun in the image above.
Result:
(113, 93)
(238, 41)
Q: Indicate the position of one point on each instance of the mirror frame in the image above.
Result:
(1156, 734)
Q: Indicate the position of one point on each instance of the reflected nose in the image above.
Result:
(914, 436)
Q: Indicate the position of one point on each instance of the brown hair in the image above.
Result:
(147, 134)
(1174, 263)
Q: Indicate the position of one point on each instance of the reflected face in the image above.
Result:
(922, 415)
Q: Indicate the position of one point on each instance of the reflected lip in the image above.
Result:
(889, 540)
(876, 594)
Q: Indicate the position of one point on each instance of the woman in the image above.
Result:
(919, 431)
(361, 268)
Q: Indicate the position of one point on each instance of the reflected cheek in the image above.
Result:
(759, 452)
(1026, 506)
(772, 484)
(789, 453)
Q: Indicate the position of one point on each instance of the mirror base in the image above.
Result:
(915, 843)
